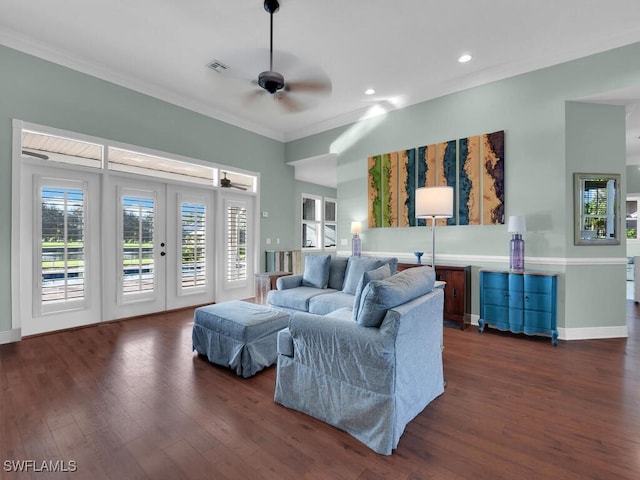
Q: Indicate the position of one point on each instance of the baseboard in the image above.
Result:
(10, 336)
(593, 333)
(582, 333)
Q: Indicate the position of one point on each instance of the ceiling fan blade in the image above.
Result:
(252, 96)
(289, 103)
(309, 86)
(34, 154)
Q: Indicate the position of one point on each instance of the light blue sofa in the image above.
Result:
(327, 284)
(372, 376)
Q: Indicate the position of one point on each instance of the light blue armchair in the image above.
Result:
(369, 381)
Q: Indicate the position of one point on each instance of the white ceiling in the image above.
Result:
(406, 49)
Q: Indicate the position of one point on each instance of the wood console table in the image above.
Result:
(457, 291)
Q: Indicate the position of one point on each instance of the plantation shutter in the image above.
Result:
(236, 218)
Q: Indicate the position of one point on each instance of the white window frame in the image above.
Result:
(333, 223)
(316, 223)
(41, 308)
(319, 223)
(634, 197)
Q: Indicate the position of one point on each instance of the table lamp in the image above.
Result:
(434, 202)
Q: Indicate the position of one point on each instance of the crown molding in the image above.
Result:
(25, 45)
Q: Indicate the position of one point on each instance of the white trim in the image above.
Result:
(483, 259)
(107, 142)
(581, 333)
(593, 333)
(10, 336)
(15, 41)
(16, 179)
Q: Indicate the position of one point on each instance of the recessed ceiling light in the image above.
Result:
(464, 58)
(369, 91)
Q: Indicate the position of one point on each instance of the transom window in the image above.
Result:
(58, 148)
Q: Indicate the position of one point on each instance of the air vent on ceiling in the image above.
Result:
(217, 65)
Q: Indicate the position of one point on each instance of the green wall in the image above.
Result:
(41, 92)
(544, 144)
(546, 132)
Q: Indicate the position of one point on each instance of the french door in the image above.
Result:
(161, 244)
(60, 283)
(102, 247)
(236, 257)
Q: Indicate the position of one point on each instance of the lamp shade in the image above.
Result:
(356, 227)
(434, 202)
(517, 224)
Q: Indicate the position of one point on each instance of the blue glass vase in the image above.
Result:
(418, 256)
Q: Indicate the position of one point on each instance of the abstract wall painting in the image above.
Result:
(426, 171)
(446, 169)
(407, 188)
(493, 178)
(390, 189)
(469, 181)
(374, 191)
(473, 166)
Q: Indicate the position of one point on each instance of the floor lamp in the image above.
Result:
(434, 202)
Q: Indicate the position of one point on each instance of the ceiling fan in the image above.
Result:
(274, 83)
(227, 183)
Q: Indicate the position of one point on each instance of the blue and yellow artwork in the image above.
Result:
(426, 170)
(446, 166)
(473, 166)
(469, 181)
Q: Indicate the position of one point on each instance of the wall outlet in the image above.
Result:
(344, 242)
(268, 241)
(278, 241)
(265, 214)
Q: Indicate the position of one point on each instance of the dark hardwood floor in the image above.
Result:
(130, 400)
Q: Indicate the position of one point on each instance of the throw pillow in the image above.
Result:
(381, 295)
(316, 271)
(337, 271)
(378, 274)
(355, 268)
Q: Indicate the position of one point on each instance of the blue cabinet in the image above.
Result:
(521, 302)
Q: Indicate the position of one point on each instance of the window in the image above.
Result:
(193, 258)
(330, 225)
(319, 223)
(121, 160)
(236, 242)
(632, 218)
(62, 247)
(138, 269)
(60, 149)
(311, 221)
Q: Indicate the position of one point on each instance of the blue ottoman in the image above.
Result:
(240, 335)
